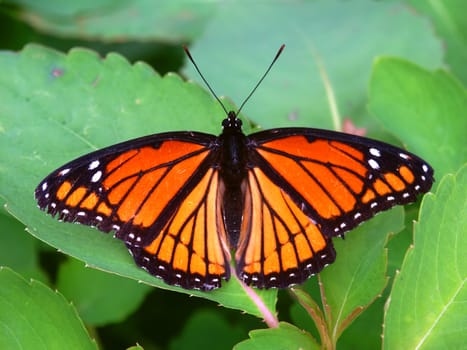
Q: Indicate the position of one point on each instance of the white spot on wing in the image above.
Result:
(375, 152)
(425, 168)
(403, 155)
(97, 176)
(64, 172)
(44, 186)
(373, 163)
(93, 165)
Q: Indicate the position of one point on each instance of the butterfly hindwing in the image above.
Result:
(131, 188)
(191, 250)
(279, 245)
(339, 180)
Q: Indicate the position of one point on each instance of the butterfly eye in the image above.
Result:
(232, 121)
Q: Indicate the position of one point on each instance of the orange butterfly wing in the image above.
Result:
(308, 185)
(156, 193)
(191, 250)
(279, 245)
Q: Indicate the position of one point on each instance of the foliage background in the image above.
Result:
(233, 42)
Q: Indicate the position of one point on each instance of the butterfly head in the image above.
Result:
(232, 123)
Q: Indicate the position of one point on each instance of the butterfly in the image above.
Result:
(193, 208)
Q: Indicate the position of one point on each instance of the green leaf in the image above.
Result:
(56, 107)
(34, 317)
(286, 336)
(426, 110)
(351, 285)
(101, 298)
(428, 304)
(365, 332)
(18, 249)
(313, 311)
(345, 36)
(111, 20)
(449, 19)
(207, 329)
(358, 276)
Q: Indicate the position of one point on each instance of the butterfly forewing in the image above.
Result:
(131, 188)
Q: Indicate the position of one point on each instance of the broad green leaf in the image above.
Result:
(18, 249)
(427, 110)
(358, 276)
(56, 107)
(428, 304)
(207, 329)
(286, 336)
(365, 332)
(448, 16)
(309, 310)
(168, 21)
(34, 317)
(345, 36)
(100, 298)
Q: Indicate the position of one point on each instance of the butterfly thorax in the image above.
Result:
(233, 172)
(234, 152)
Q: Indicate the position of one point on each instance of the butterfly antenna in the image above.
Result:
(262, 78)
(204, 79)
(252, 91)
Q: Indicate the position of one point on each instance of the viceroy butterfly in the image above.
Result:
(185, 202)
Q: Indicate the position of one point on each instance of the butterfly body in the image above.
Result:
(191, 207)
(233, 170)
